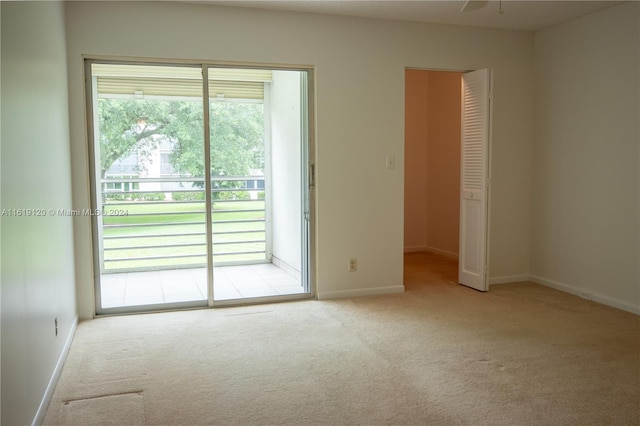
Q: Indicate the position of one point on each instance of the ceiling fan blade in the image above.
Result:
(473, 5)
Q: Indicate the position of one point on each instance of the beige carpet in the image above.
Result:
(438, 354)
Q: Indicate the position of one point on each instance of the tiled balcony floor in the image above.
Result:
(186, 285)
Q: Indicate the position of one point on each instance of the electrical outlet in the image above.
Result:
(353, 264)
(390, 162)
(55, 323)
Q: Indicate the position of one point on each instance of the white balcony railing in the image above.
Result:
(160, 223)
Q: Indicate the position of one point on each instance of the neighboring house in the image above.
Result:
(134, 167)
(158, 164)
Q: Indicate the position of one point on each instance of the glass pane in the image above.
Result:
(256, 169)
(149, 149)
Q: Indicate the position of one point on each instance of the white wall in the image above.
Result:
(443, 162)
(37, 252)
(359, 87)
(432, 164)
(585, 232)
(285, 169)
(416, 135)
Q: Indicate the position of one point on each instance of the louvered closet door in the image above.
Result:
(473, 195)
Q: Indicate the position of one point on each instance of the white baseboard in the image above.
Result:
(286, 267)
(614, 303)
(339, 294)
(586, 294)
(555, 285)
(432, 250)
(415, 249)
(53, 381)
(443, 252)
(507, 279)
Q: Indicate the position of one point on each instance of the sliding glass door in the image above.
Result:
(200, 178)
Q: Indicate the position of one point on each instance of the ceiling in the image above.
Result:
(517, 14)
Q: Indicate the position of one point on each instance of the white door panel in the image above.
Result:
(474, 178)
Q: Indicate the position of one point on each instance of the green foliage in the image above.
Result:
(128, 124)
(188, 196)
(111, 196)
(115, 196)
(233, 195)
(237, 143)
(155, 196)
(237, 129)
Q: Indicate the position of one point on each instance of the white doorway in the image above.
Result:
(433, 193)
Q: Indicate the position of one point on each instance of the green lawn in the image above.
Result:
(165, 224)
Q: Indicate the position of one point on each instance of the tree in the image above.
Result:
(134, 124)
(237, 142)
(237, 129)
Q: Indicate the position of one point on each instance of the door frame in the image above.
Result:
(308, 209)
(489, 157)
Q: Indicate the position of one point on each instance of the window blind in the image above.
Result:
(233, 83)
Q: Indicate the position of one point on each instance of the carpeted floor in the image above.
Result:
(439, 354)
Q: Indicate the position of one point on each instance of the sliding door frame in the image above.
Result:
(308, 182)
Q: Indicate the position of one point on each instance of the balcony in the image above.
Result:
(159, 223)
(185, 285)
(152, 239)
